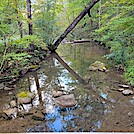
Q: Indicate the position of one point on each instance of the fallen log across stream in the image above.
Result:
(54, 46)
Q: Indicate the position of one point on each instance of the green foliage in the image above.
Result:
(129, 75)
(24, 42)
(46, 22)
(117, 32)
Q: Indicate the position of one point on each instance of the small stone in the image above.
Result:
(121, 89)
(129, 114)
(10, 93)
(124, 86)
(127, 92)
(13, 104)
(38, 116)
(57, 93)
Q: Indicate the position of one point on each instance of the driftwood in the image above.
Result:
(54, 46)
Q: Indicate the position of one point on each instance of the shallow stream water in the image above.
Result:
(95, 97)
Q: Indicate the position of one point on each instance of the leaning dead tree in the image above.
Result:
(54, 46)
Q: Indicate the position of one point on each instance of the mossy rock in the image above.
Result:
(25, 97)
(97, 65)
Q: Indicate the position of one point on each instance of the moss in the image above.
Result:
(34, 67)
(23, 94)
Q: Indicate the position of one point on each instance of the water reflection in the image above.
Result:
(92, 100)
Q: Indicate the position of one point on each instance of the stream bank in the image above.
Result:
(100, 106)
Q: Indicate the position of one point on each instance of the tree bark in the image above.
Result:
(54, 46)
(29, 15)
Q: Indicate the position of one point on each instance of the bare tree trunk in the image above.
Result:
(18, 19)
(20, 28)
(54, 46)
(99, 14)
(29, 15)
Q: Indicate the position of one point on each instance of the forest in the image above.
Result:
(33, 31)
(39, 23)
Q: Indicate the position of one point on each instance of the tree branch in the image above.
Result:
(54, 46)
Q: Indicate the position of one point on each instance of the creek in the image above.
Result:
(99, 106)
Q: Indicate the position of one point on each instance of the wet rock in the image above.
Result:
(57, 93)
(66, 101)
(127, 92)
(24, 100)
(13, 104)
(124, 86)
(38, 116)
(10, 113)
(97, 65)
(25, 97)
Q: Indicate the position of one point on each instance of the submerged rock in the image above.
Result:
(66, 101)
(57, 93)
(127, 92)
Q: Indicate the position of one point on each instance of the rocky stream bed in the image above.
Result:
(53, 100)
